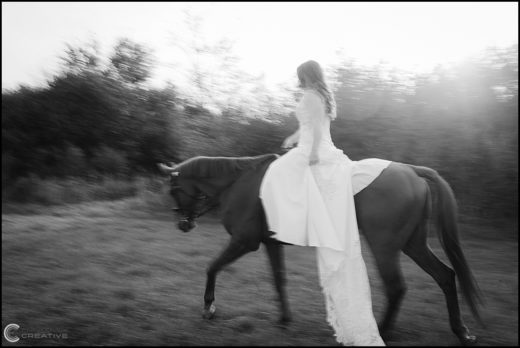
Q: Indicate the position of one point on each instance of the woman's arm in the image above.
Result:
(316, 111)
(313, 157)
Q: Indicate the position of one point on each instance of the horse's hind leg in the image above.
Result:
(275, 253)
(231, 253)
(390, 271)
(418, 249)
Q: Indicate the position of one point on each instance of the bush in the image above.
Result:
(33, 189)
(112, 189)
(109, 161)
(7, 162)
(74, 162)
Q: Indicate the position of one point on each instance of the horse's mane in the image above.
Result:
(204, 167)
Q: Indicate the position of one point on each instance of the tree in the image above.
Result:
(216, 80)
(132, 61)
(78, 60)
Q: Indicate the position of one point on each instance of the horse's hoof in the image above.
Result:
(468, 340)
(209, 313)
(282, 324)
(284, 321)
(386, 335)
(383, 328)
(464, 337)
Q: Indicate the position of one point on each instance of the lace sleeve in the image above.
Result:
(313, 104)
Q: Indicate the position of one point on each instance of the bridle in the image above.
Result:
(191, 213)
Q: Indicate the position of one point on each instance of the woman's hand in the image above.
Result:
(288, 142)
(313, 159)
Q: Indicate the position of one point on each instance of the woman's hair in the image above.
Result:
(310, 75)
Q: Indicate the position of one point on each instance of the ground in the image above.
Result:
(115, 273)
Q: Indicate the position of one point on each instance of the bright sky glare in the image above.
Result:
(271, 37)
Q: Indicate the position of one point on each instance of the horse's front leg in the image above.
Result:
(275, 253)
(231, 253)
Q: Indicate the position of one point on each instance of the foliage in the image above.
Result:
(55, 190)
(461, 120)
(132, 61)
(86, 118)
(97, 119)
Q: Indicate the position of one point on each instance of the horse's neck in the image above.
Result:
(215, 186)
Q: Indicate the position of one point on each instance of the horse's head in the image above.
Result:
(190, 201)
(186, 197)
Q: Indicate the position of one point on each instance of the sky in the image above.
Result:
(270, 38)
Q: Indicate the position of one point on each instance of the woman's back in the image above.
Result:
(310, 113)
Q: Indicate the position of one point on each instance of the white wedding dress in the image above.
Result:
(314, 206)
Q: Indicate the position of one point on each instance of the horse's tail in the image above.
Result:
(446, 220)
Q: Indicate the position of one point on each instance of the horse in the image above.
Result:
(392, 213)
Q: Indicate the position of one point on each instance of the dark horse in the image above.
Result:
(392, 213)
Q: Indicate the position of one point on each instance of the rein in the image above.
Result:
(207, 208)
(197, 199)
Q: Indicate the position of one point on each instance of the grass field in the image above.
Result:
(119, 273)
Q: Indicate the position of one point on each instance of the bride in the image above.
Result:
(308, 200)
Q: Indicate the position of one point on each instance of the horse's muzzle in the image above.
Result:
(186, 225)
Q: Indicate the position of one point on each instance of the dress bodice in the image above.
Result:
(311, 110)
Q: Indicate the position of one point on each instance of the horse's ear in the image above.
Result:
(165, 169)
